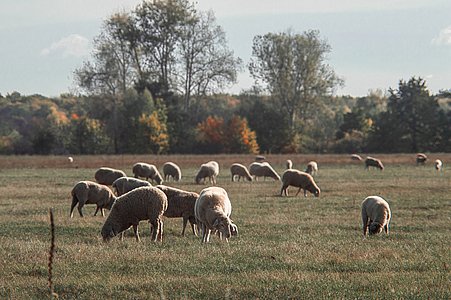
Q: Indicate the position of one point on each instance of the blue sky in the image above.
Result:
(375, 43)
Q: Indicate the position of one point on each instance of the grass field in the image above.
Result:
(288, 247)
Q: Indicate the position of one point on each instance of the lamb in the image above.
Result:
(373, 162)
(147, 171)
(438, 164)
(421, 158)
(126, 184)
(312, 168)
(289, 164)
(180, 205)
(170, 169)
(143, 203)
(264, 169)
(88, 192)
(212, 210)
(241, 171)
(376, 215)
(210, 170)
(107, 176)
(356, 157)
(301, 180)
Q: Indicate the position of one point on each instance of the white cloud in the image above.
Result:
(72, 45)
(443, 38)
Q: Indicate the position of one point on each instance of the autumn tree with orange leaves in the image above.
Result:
(217, 136)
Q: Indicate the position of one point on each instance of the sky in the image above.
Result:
(374, 43)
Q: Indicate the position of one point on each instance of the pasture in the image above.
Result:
(287, 247)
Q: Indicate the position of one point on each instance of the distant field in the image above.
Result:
(288, 247)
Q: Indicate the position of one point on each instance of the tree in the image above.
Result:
(293, 70)
(411, 122)
(206, 64)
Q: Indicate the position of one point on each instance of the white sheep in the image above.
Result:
(264, 169)
(312, 168)
(107, 176)
(147, 171)
(126, 184)
(212, 211)
(70, 159)
(89, 192)
(170, 169)
(373, 162)
(289, 164)
(356, 157)
(180, 205)
(301, 180)
(421, 158)
(208, 170)
(376, 215)
(143, 203)
(260, 158)
(240, 170)
(438, 164)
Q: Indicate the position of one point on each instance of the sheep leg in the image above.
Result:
(185, 221)
(284, 190)
(386, 228)
(160, 232)
(305, 193)
(135, 230)
(74, 203)
(80, 206)
(102, 212)
(298, 191)
(122, 236)
(155, 230)
(365, 223)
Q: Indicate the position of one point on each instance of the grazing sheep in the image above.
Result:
(147, 171)
(260, 158)
(312, 168)
(210, 170)
(264, 169)
(301, 180)
(170, 169)
(373, 162)
(180, 205)
(240, 171)
(438, 164)
(70, 159)
(88, 192)
(126, 184)
(212, 211)
(356, 157)
(376, 215)
(143, 203)
(107, 176)
(289, 164)
(421, 158)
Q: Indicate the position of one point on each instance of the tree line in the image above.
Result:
(154, 84)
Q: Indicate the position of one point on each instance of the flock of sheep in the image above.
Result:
(135, 200)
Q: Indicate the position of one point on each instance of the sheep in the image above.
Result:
(126, 184)
(210, 170)
(438, 164)
(301, 180)
(376, 215)
(289, 164)
(312, 168)
(260, 158)
(264, 169)
(241, 171)
(147, 171)
(373, 162)
(212, 210)
(70, 159)
(421, 158)
(143, 203)
(180, 205)
(89, 192)
(356, 157)
(170, 169)
(107, 176)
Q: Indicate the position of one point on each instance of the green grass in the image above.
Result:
(288, 247)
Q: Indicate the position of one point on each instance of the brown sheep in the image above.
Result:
(88, 192)
(107, 176)
(301, 180)
(373, 162)
(240, 171)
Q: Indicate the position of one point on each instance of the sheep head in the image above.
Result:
(108, 232)
(375, 228)
(222, 224)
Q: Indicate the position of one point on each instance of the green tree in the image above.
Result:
(293, 70)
